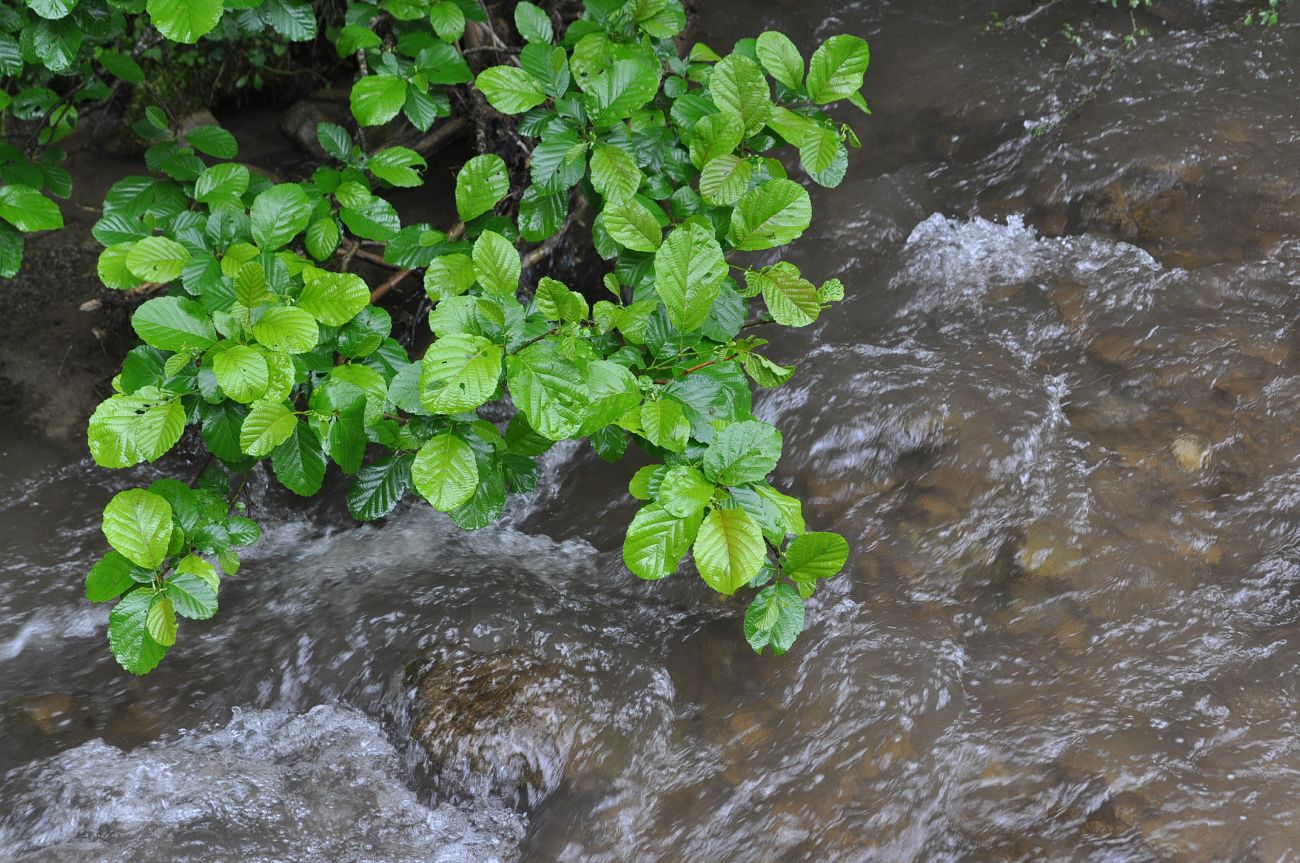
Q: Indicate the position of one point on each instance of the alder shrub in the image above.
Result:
(256, 334)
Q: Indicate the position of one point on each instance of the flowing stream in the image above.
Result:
(1058, 418)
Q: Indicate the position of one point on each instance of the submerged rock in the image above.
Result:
(516, 722)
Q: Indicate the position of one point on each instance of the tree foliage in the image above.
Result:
(257, 336)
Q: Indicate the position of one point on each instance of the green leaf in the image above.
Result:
(775, 618)
(157, 259)
(294, 20)
(549, 390)
(11, 252)
(836, 69)
(376, 99)
(52, 9)
(299, 462)
(684, 491)
(160, 620)
(480, 184)
(213, 140)
(780, 58)
(724, 179)
(222, 185)
(322, 237)
(788, 508)
(28, 210)
(286, 328)
(765, 372)
(657, 540)
(541, 214)
(510, 89)
(128, 638)
(376, 219)
(184, 20)
(138, 524)
(770, 215)
(831, 291)
(445, 472)
(174, 324)
(621, 90)
(279, 214)
(814, 556)
(534, 24)
(241, 373)
(191, 594)
(379, 487)
(729, 550)
(127, 429)
(333, 298)
(267, 425)
(632, 225)
(447, 20)
(194, 565)
(459, 372)
(739, 89)
(614, 173)
(396, 166)
(496, 263)
(744, 452)
(664, 424)
(819, 149)
(689, 270)
(109, 578)
(791, 299)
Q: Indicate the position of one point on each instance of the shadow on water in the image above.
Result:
(1057, 419)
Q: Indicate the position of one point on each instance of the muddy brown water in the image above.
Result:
(1057, 419)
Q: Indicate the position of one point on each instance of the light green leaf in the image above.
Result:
(138, 524)
(729, 550)
(684, 491)
(831, 291)
(621, 90)
(765, 372)
(333, 298)
(376, 99)
(480, 184)
(791, 299)
(241, 373)
(112, 270)
(128, 638)
(724, 179)
(689, 270)
(267, 425)
(459, 372)
(614, 172)
(510, 89)
(814, 556)
(279, 214)
(496, 263)
(160, 620)
(664, 424)
(28, 210)
(445, 472)
(174, 324)
(657, 540)
(836, 69)
(449, 276)
(775, 618)
(286, 328)
(157, 259)
(549, 390)
(744, 452)
(127, 429)
(632, 225)
(789, 508)
(780, 58)
(184, 20)
(740, 89)
(819, 149)
(770, 215)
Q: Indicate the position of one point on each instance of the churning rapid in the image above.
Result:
(1058, 417)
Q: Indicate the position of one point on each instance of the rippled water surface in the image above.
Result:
(1057, 419)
